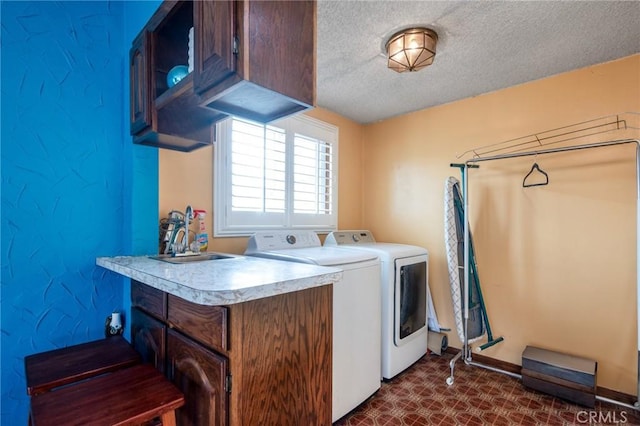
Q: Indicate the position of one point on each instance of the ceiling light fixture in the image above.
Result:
(411, 49)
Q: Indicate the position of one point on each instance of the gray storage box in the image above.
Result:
(566, 376)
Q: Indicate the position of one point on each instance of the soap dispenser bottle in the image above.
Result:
(201, 237)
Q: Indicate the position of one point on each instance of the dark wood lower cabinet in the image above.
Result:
(262, 362)
(149, 339)
(201, 374)
(283, 345)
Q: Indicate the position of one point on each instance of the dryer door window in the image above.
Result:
(410, 300)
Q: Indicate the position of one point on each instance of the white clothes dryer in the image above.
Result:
(356, 310)
(405, 294)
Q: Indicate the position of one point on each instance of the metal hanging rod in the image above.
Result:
(619, 123)
(471, 164)
(552, 150)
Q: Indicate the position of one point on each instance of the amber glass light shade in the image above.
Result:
(411, 49)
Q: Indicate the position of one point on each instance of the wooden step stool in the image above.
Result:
(131, 396)
(97, 383)
(48, 370)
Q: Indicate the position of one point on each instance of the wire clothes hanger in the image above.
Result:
(535, 168)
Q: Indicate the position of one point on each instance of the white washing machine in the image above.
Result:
(356, 310)
(405, 294)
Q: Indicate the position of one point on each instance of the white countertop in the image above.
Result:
(224, 281)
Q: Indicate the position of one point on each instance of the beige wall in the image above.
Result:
(557, 263)
(187, 178)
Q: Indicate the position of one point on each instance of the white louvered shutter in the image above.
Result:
(280, 175)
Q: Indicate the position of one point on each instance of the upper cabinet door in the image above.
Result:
(281, 46)
(215, 50)
(139, 72)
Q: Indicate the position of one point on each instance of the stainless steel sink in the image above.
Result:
(191, 258)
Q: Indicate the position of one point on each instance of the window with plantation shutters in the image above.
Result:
(274, 176)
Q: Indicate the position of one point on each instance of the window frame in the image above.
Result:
(227, 223)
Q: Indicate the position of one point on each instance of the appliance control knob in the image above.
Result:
(291, 239)
(355, 238)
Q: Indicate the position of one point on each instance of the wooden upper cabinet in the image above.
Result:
(281, 47)
(215, 56)
(164, 116)
(273, 46)
(140, 107)
(251, 58)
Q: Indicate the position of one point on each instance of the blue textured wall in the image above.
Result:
(71, 179)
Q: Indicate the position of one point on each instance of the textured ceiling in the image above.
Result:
(483, 46)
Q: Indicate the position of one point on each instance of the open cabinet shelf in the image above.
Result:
(243, 65)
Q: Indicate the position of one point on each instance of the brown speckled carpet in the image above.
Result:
(420, 396)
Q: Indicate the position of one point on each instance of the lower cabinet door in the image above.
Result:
(149, 336)
(201, 375)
